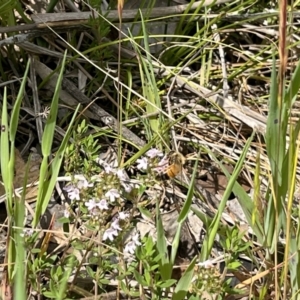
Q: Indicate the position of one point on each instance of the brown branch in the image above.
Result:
(43, 20)
(127, 14)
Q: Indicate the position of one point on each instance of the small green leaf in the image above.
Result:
(139, 278)
(16, 109)
(233, 265)
(166, 284)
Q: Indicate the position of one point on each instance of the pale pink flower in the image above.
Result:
(152, 153)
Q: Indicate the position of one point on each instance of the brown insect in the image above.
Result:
(176, 162)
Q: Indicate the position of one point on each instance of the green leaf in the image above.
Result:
(16, 109)
(294, 86)
(5, 154)
(233, 265)
(145, 212)
(49, 295)
(48, 175)
(184, 282)
(167, 283)
(148, 277)
(139, 278)
(68, 269)
(276, 148)
(273, 126)
(165, 266)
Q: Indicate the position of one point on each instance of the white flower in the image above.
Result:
(83, 184)
(112, 195)
(121, 175)
(109, 170)
(91, 204)
(115, 225)
(136, 239)
(74, 195)
(127, 187)
(130, 247)
(206, 264)
(123, 215)
(103, 204)
(44, 114)
(142, 164)
(152, 153)
(68, 188)
(73, 192)
(66, 213)
(110, 234)
(95, 212)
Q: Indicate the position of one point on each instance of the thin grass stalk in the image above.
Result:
(275, 144)
(292, 252)
(282, 70)
(290, 232)
(258, 212)
(291, 265)
(120, 4)
(150, 87)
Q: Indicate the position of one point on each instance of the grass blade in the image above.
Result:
(213, 228)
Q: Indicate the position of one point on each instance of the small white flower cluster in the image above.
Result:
(120, 173)
(115, 182)
(144, 162)
(113, 230)
(94, 205)
(74, 190)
